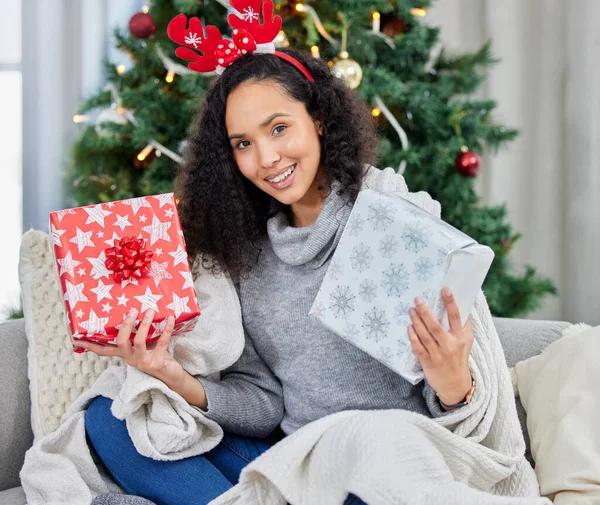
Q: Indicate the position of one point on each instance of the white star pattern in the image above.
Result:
(81, 271)
(143, 218)
(123, 300)
(137, 204)
(56, 234)
(68, 264)
(189, 281)
(100, 234)
(159, 271)
(102, 291)
(159, 327)
(157, 252)
(95, 325)
(75, 294)
(179, 256)
(61, 213)
(179, 305)
(122, 222)
(131, 280)
(188, 326)
(111, 241)
(99, 267)
(169, 213)
(96, 215)
(79, 313)
(164, 199)
(148, 300)
(158, 230)
(82, 239)
(106, 307)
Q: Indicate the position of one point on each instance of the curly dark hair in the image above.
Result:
(223, 215)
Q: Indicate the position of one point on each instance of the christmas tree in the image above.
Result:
(431, 130)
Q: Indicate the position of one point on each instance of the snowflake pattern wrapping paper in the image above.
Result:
(95, 303)
(392, 251)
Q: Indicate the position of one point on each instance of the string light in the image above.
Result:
(81, 118)
(376, 111)
(121, 69)
(376, 21)
(146, 7)
(300, 7)
(314, 50)
(170, 76)
(418, 11)
(145, 152)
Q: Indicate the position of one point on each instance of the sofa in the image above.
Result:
(521, 339)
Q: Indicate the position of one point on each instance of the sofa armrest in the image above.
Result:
(523, 338)
(16, 436)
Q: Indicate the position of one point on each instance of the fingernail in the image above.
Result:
(411, 330)
(149, 314)
(133, 312)
(412, 312)
(418, 300)
(447, 291)
(170, 320)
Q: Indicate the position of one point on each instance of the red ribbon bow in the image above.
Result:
(128, 258)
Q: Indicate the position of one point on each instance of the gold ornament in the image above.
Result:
(281, 40)
(348, 70)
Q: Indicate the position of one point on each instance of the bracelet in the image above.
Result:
(466, 401)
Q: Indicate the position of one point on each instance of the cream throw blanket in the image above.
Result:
(469, 456)
(59, 468)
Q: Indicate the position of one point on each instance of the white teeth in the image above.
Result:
(283, 176)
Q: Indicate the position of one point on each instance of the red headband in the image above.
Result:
(218, 53)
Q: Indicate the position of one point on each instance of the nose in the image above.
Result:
(268, 154)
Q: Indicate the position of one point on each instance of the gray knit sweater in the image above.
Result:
(293, 370)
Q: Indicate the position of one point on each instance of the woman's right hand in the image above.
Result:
(153, 359)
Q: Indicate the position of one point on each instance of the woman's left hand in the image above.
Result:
(444, 355)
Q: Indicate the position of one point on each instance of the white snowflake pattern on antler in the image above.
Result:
(192, 39)
(250, 15)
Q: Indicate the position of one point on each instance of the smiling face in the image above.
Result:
(275, 142)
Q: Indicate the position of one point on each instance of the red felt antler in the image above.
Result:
(193, 37)
(250, 20)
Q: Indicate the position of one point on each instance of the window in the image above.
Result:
(10, 153)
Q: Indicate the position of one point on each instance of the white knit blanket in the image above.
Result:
(59, 469)
(473, 455)
(469, 456)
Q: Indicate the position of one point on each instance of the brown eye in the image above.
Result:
(279, 128)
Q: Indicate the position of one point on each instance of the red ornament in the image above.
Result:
(394, 26)
(142, 25)
(128, 258)
(467, 163)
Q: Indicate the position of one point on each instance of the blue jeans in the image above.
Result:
(191, 481)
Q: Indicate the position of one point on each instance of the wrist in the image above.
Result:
(456, 394)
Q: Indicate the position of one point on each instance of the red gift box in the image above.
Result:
(116, 256)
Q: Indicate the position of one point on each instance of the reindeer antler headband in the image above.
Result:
(248, 36)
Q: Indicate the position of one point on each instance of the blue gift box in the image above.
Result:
(390, 252)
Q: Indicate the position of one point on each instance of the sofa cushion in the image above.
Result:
(559, 390)
(13, 496)
(57, 375)
(15, 429)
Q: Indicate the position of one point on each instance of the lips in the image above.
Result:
(282, 171)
